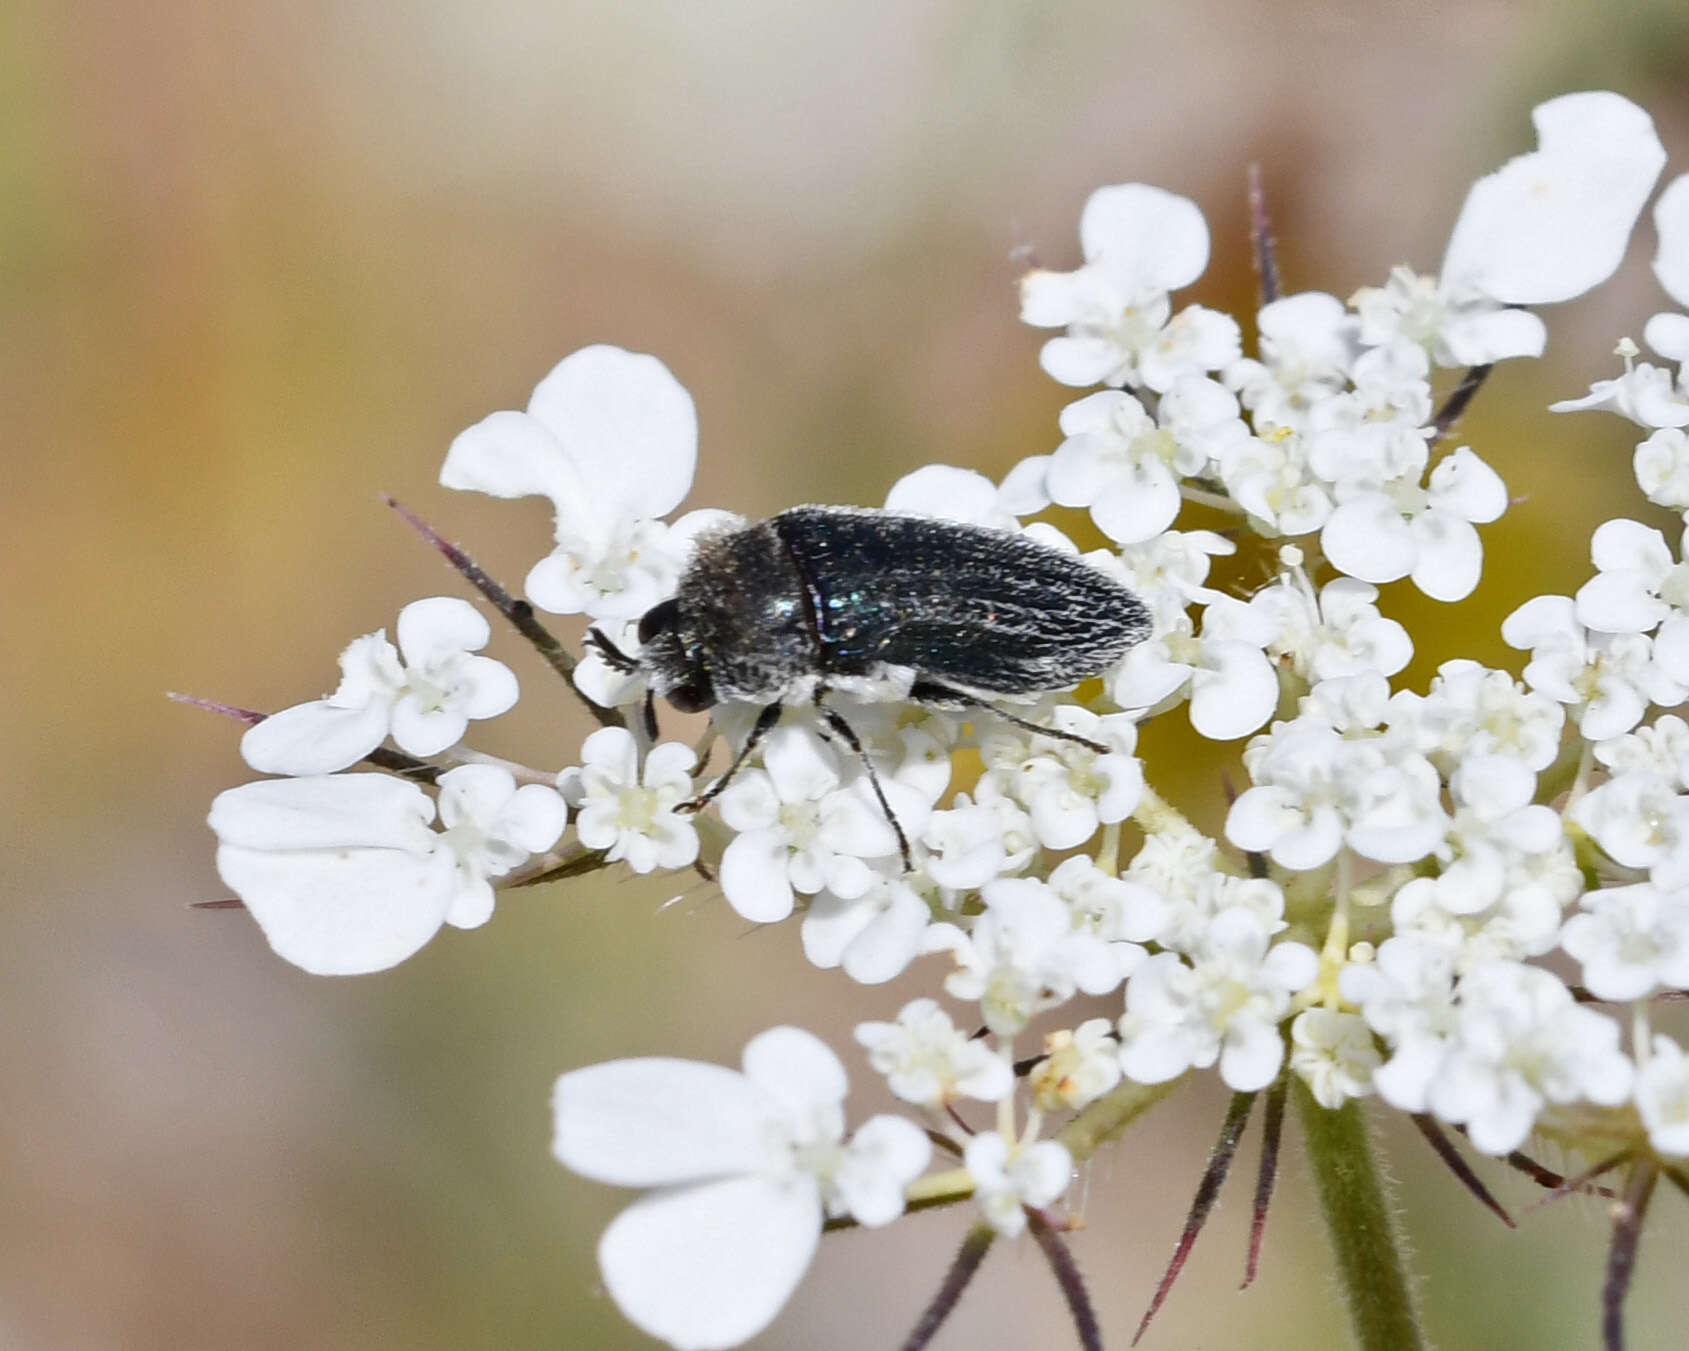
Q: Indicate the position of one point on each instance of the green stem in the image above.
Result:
(1361, 1223)
(1110, 1114)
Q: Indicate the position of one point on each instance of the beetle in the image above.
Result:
(881, 605)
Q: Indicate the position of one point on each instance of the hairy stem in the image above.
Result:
(1361, 1223)
(1109, 1115)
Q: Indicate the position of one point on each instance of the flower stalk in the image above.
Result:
(1361, 1223)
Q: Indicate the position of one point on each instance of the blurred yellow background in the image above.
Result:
(260, 261)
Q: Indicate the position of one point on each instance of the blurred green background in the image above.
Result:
(260, 261)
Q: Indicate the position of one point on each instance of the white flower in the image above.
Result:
(1608, 678)
(424, 698)
(1078, 1067)
(1660, 748)
(743, 1169)
(1637, 583)
(1307, 347)
(1117, 462)
(930, 1062)
(799, 828)
(1507, 869)
(1640, 821)
(1334, 1054)
(1519, 1043)
(1472, 709)
(1380, 532)
(1139, 243)
(345, 876)
(1009, 1177)
(629, 813)
(1662, 468)
(1023, 955)
(1231, 684)
(1631, 940)
(974, 842)
(1225, 1007)
(1270, 478)
(611, 438)
(1340, 633)
(1067, 788)
(873, 936)
(1662, 1096)
(1406, 995)
(1316, 790)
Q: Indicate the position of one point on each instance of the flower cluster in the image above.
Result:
(1392, 876)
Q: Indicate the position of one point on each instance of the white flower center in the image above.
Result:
(637, 808)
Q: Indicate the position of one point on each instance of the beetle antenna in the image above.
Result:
(932, 692)
(650, 715)
(846, 733)
(613, 656)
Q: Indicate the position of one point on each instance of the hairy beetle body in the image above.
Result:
(881, 604)
(859, 600)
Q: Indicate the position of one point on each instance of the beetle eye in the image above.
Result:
(693, 697)
(660, 618)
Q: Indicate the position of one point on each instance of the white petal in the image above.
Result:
(709, 1266)
(1152, 239)
(1620, 544)
(488, 687)
(1671, 219)
(345, 911)
(830, 925)
(471, 904)
(1233, 692)
(510, 454)
(1468, 487)
(1253, 1052)
(1550, 225)
(315, 738)
(1668, 334)
(1618, 602)
(945, 491)
(754, 876)
(1478, 335)
(1139, 504)
(1079, 361)
(795, 1067)
(1155, 1055)
(799, 764)
(335, 811)
(885, 1153)
(625, 423)
(1366, 537)
(534, 817)
(426, 731)
(1054, 299)
(1022, 491)
(656, 1121)
(1450, 555)
(883, 950)
(440, 626)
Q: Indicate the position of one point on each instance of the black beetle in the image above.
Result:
(882, 605)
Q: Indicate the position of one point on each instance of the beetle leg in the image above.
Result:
(761, 728)
(614, 657)
(932, 692)
(846, 733)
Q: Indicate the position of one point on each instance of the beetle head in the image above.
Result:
(672, 665)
